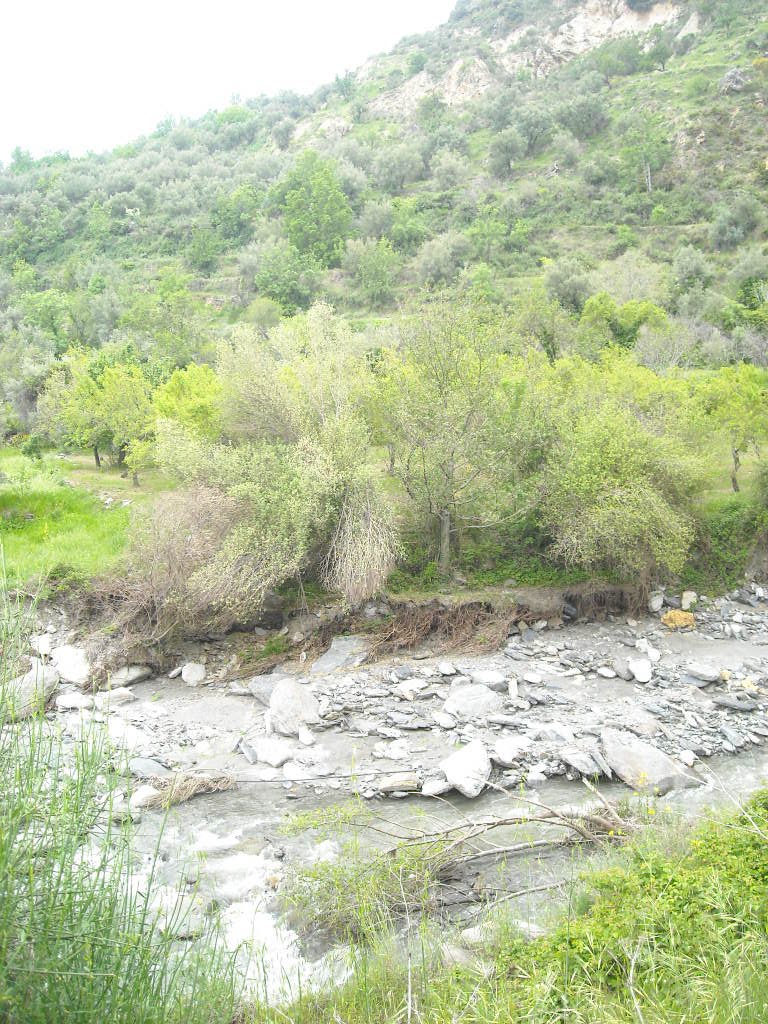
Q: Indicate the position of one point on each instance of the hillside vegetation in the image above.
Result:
(495, 302)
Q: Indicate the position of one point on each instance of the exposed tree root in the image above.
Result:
(476, 624)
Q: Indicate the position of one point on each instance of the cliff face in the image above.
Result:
(535, 47)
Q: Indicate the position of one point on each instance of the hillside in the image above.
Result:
(596, 146)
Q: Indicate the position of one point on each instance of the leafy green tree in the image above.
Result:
(69, 406)
(297, 465)
(620, 324)
(316, 213)
(735, 401)
(192, 397)
(373, 266)
(286, 275)
(645, 149)
(439, 394)
(505, 149)
(617, 496)
(234, 214)
(203, 250)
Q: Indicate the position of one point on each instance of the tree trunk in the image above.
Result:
(96, 456)
(444, 555)
(648, 179)
(735, 470)
(391, 449)
(135, 479)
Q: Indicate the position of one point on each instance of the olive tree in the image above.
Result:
(439, 394)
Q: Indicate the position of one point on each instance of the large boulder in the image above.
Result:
(641, 765)
(30, 692)
(469, 769)
(72, 664)
(472, 701)
(291, 706)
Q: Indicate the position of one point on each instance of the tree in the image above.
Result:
(69, 407)
(125, 407)
(616, 496)
(505, 148)
(297, 465)
(286, 275)
(646, 148)
(192, 397)
(735, 400)
(439, 394)
(316, 213)
(373, 265)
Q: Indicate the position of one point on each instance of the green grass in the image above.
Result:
(672, 931)
(53, 519)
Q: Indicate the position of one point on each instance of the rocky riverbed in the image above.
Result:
(626, 701)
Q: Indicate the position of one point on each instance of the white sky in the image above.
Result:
(81, 75)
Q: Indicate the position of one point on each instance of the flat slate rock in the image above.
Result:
(344, 652)
(641, 765)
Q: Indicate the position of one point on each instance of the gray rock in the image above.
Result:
(444, 720)
(266, 750)
(261, 687)
(705, 673)
(193, 673)
(436, 786)
(688, 600)
(509, 749)
(553, 732)
(31, 692)
(74, 702)
(446, 668)
(291, 706)
(108, 699)
(606, 673)
(641, 765)
(144, 796)
(656, 602)
(641, 669)
(581, 760)
(400, 782)
(72, 664)
(344, 652)
(472, 701)
(130, 674)
(621, 668)
(734, 80)
(469, 769)
(736, 702)
(147, 768)
(491, 678)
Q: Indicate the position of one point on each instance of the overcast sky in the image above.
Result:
(82, 75)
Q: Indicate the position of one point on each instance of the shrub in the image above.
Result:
(734, 223)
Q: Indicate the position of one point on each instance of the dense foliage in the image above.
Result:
(551, 296)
